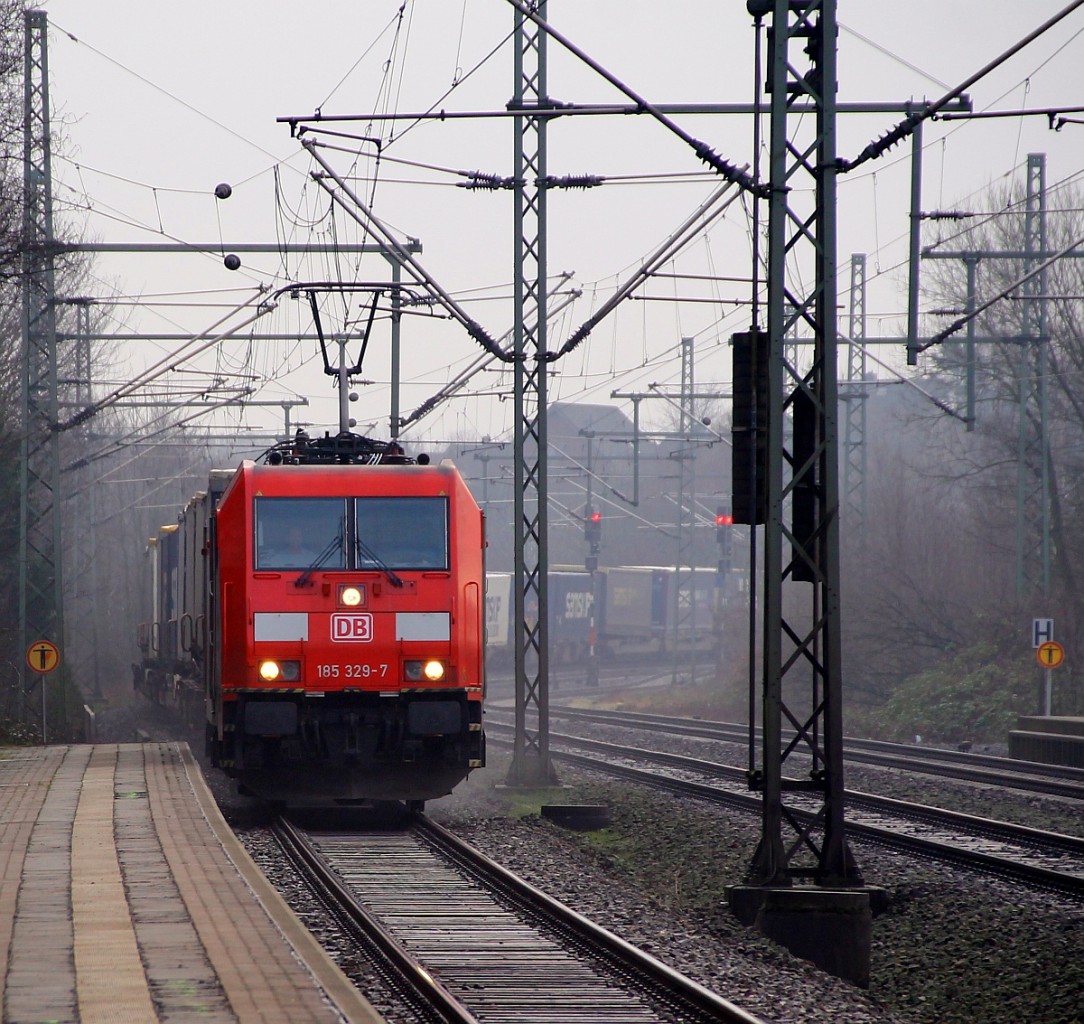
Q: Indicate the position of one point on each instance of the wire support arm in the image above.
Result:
(700, 218)
(1003, 294)
(908, 125)
(1052, 114)
(460, 381)
(704, 152)
(133, 438)
(370, 222)
(171, 362)
(901, 379)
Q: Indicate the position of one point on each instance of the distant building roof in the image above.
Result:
(567, 419)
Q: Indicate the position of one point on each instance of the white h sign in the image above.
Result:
(1042, 630)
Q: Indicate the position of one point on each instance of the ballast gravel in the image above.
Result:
(951, 947)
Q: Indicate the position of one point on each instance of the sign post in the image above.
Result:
(1042, 639)
(1049, 654)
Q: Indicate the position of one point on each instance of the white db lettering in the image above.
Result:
(352, 628)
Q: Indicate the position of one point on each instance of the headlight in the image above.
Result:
(432, 671)
(272, 671)
(351, 595)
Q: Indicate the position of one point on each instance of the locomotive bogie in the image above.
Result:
(349, 747)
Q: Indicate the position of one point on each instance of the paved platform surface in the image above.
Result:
(125, 898)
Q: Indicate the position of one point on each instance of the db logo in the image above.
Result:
(357, 628)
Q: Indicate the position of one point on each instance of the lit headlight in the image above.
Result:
(273, 671)
(431, 671)
(350, 596)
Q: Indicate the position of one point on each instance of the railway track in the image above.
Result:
(1028, 776)
(467, 941)
(1046, 860)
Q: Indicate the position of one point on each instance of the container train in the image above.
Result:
(322, 614)
(622, 611)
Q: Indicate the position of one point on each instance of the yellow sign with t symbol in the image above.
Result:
(1050, 654)
(43, 656)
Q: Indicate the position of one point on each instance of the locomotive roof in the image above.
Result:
(348, 480)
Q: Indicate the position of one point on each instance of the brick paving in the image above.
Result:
(125, 898)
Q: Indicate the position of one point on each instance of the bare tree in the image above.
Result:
(935, 583)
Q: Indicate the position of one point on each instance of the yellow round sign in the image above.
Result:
(1050, 654)
(43, 656)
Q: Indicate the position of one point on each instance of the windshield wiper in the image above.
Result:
(367, 553)
(336, 544)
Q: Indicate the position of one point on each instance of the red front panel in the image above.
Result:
(375, 644)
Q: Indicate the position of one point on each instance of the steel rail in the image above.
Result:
(337, 896)
(1032, 874)
(1031, 776)
(628, 958)
(639, 972)
(1004, 831)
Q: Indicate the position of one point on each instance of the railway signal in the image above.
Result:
(749, 433)
(592, 533)
(724, 537)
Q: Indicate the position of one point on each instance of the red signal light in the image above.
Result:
(592, 533)
(724, 520)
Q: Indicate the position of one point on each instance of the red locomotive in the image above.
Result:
(326, 612)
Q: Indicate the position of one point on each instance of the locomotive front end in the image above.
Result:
(350, 666)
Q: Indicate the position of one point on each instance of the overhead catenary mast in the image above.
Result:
(40, 577)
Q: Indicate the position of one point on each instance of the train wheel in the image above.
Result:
(415, 807)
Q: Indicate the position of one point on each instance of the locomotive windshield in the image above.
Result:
(402, 533)
(381, 533)
(295, 533)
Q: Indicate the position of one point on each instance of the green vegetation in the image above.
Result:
(17, 734)
(975, 695)
(526, 803)
(971, 695)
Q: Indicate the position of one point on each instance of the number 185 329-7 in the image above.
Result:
(355, 671)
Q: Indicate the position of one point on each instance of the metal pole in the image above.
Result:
(531, 762)
(396, 327)
(1033, 465)
(971, 263)
(592, 566)
(40, 574)
(344, 385)
(916, 246)
(802, 286)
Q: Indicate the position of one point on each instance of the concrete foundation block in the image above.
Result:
(832, 928)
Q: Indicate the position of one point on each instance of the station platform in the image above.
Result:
(1049, 740)
(125, 898)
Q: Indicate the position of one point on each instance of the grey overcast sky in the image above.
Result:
(156, 103)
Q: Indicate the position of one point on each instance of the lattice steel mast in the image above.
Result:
(801, 660)
(854, 440)
(1033, 544)
(531, 764)
(684, 597)
(40, 577)
(1033, 464)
